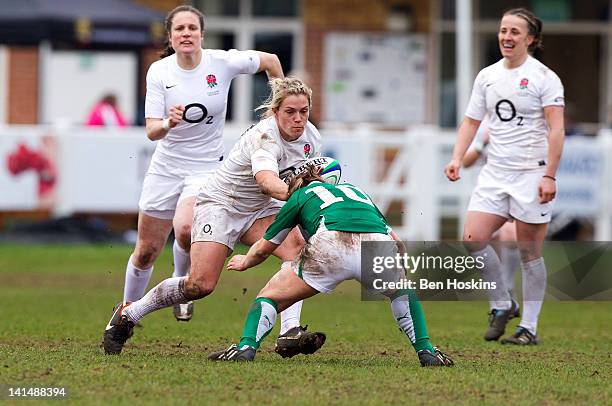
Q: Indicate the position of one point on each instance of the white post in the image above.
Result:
(463, 48)
(243, 84)
(44, 81)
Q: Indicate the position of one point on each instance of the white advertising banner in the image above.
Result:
(580, 178)
(90, 170)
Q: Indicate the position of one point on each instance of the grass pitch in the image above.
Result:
(56, 301)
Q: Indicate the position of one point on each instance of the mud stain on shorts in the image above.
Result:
(325, 251)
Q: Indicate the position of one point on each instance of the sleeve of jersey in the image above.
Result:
(477, 107)
(552, 91)
(265, 155)
(286, 219)
(243, 62)
(154, 100)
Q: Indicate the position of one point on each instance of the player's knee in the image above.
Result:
(145, 255)
(473, 242)
(182, 234)
(197, 288)
(291, 247)
(529, 253)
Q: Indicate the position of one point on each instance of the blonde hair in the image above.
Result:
(280, 89)
(310, 175)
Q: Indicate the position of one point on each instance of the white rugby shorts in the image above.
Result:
(511, 194)
(222, 223)
(331, 257)
(164, 187)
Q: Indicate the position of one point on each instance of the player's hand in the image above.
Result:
(176, 115)
(451, 170)
(547, 190)
(237, 263)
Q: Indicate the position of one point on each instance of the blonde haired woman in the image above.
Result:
(237, 204)
(185, 109)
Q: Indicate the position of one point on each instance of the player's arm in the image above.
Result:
(264, 164)
(270, 64)
(470, 157)
(270, 184)
(401, 248)
(556, 138)
(158, 128)
(467, 131)
(257, 254)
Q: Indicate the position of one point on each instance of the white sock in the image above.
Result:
(168, 292)
(534, 287)
(182, 261)
(511, 261)
(290, 317)
(400, 307)
(499, 298)
(136, 281)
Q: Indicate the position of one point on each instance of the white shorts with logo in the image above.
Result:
(511, 194)
(165, 186)
(222, 223)
(331, 257)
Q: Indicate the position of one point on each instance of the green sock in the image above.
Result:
(259, 322)
(411, 319)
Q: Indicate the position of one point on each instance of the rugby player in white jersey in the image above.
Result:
(524, 100)
(238, 203)
(504, 238)
(185, 110)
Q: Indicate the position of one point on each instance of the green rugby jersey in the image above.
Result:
(341, 207)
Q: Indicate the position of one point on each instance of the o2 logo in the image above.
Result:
(207, 229)
(506, 111)
(198, 113)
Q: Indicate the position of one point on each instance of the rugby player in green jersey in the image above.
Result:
(336, 219)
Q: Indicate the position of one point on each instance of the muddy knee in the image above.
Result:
(183, 235)
(197, 288)
(144, 256)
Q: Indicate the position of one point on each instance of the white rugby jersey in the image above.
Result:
(514, 99)
(203, 91)
(260, 148)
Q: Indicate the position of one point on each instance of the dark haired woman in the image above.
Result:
(525, 103)
(185, 108)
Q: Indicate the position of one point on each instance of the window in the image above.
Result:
(448, 82)
(265, 25)
(275, 8)
(281, 45)
(219, 7)
(222, 40)
(574, 30)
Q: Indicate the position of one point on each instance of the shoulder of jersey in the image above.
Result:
(220, 53)
(261, 127)
(486, 72)
(313, 131)
(541, 68)
(259, 130)
(161, 63)
(492, 67)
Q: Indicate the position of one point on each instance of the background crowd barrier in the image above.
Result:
(80, 170)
